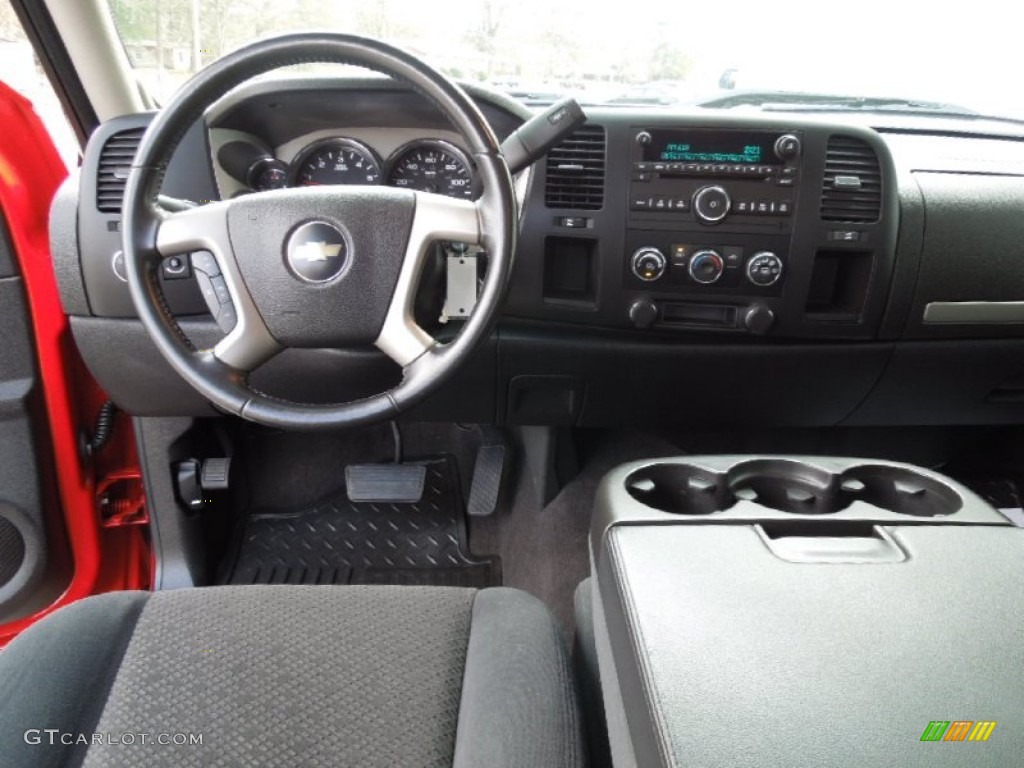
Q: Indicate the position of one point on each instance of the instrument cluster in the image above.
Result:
(425, 165)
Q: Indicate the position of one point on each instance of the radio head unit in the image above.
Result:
(699, 177)
(718, 147)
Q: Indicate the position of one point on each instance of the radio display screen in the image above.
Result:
(729, 147)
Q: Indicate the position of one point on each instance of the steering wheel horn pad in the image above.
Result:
(316, 267)
(346, 309)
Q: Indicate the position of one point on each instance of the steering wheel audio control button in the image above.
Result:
(209, 293)
(203, 261)
(226, 317)
(220, 288)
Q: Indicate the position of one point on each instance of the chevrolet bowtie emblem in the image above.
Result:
(321, 251)
(317, 252)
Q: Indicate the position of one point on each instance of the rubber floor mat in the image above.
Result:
(337, 541)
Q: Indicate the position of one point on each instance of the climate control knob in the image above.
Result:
(711, 204)
(648, 264)
(706, 267)
(764, 269)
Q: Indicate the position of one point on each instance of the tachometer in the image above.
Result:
(336, 161)
(432, 166)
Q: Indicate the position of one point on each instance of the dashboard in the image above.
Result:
(705, 267)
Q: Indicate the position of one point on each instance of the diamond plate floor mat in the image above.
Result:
(337, 541)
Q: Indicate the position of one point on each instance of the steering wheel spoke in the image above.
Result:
(203, 232)
(436, 218)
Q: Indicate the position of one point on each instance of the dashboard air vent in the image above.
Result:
(575, 171)
(112, 174)
(852, 190)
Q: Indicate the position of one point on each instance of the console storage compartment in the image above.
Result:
(780, 611)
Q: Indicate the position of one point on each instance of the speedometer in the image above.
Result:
(432, 166)
(336, 161)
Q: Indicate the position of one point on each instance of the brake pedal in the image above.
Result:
(385, 483)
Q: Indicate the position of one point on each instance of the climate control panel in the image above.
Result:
(745, 265)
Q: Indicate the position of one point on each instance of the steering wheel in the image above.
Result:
(319, 267)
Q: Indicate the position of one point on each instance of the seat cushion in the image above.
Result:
(292, 675)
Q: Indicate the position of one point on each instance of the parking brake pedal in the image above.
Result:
(196, 479)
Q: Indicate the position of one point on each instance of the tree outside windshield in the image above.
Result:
(656, 53)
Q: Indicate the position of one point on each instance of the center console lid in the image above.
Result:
(792, 611)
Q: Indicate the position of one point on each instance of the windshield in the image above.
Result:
(871, 56)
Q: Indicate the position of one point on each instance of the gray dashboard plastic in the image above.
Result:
(970, 257)
(64, 247)
(727, 651)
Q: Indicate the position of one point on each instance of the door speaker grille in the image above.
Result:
(12, 550)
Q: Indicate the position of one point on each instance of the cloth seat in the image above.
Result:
(292, 676)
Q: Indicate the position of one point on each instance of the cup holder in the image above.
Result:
(681, 489)
(900, 490)
(787, 486)
(790, 486)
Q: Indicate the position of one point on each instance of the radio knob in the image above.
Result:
(787, 147)
(764, 269)
(706, 267)
(648, 264)
(711, 204)
(643, 138)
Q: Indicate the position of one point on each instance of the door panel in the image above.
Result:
(23, 549)
(48, 402)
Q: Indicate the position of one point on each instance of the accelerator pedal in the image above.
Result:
(489, 472)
